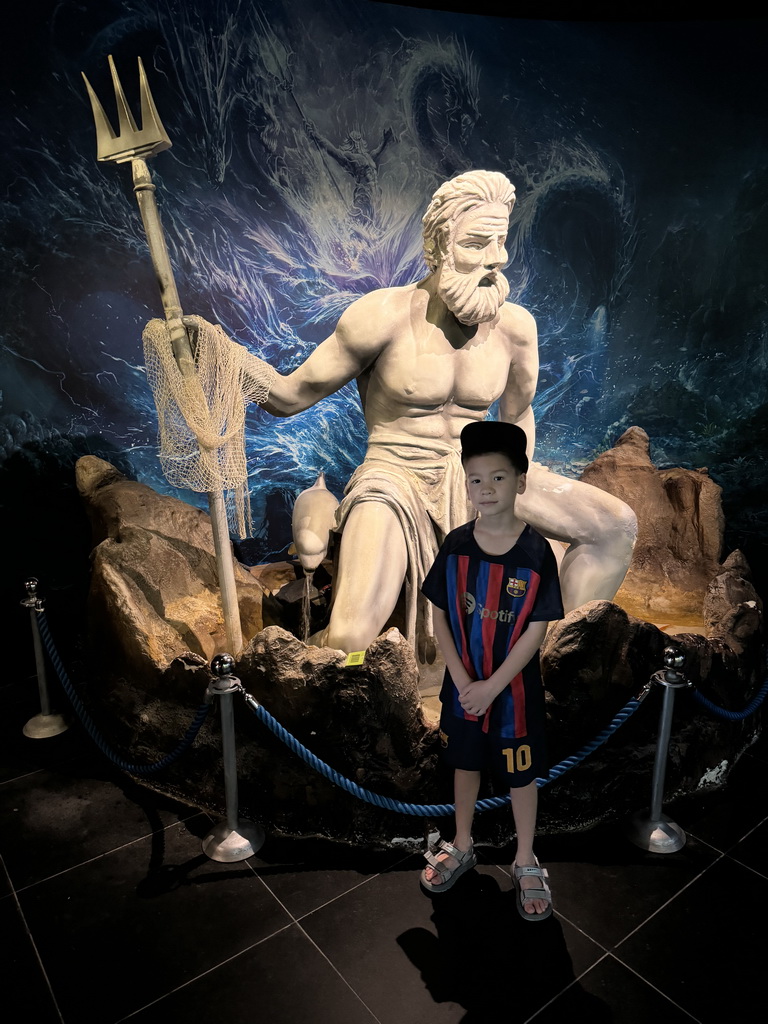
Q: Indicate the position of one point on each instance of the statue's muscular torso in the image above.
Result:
(429, 375)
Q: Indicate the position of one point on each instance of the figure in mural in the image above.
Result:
(359, 162)
(428, 359)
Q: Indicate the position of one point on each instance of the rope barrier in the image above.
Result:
(734, 716)
(388, 803)
(90, 726)
(428, 810)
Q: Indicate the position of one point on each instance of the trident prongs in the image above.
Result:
(131, 142)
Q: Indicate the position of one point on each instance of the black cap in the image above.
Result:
(494, 436)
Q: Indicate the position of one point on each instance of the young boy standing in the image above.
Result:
(494, 586)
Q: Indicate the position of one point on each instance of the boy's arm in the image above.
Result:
(478, 696)
(445, 642)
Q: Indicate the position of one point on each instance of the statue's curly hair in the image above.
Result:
(456, 197)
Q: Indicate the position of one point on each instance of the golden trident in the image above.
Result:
(137, 145)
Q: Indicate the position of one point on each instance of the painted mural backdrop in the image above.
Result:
(307, 138)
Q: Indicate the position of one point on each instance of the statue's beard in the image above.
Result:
(470, 301)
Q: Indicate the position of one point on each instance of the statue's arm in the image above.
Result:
(515, 403)
(347, 353)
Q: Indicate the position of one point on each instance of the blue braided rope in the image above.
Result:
(90, 727)
(427, 810)
(734, 716)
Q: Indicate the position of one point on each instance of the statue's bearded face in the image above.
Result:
(470, 281)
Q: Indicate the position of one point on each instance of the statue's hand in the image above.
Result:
(192, 327)
(210, 344)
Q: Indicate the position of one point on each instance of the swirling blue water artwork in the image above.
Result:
(307, 140)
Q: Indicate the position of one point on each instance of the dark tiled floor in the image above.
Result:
(112, 912)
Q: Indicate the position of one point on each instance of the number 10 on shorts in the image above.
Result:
(518, 760)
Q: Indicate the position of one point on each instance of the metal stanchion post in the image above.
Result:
(47, 723)
(651, 829)
(234, 838)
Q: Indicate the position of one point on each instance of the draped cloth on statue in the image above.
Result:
(422, 481)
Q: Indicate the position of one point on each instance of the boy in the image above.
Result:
(494, 586)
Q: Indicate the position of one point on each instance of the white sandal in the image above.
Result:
(448, 877)
(544, 893)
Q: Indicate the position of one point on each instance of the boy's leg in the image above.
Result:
(466, 786)
(525, 801)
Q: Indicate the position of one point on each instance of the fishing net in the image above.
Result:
(201, 418)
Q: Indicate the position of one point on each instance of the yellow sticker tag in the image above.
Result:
(355, 658)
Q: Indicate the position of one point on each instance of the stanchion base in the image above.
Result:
(42, 726)
(228, 845)
(661, 835)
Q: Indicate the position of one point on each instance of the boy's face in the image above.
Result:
(493, 484)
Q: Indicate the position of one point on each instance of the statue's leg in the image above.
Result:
(599, 528)
(372, 564)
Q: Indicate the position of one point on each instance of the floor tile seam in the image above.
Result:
(735, 843)
(25, 775)
(690, 834)
(9, 880)
(203, 974)
(327, 903)
(334, 968)
(92, 860)
(502, 871)
(655, 988)
(749, 867)
(402, 860)
(747, 834)
(340, 895)
(301, 917)
(506, 876)
(600, 945)
(666, 903)
(565, 989)
(271, 892)
(36, 952)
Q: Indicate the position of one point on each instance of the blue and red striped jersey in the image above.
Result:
(489, 600)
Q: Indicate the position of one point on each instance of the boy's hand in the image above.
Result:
(478, 696)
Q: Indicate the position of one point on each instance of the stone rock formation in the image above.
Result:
(680, 529)
(599, 655)
(154, 590)
(154, 600)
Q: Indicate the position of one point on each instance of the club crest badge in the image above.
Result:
(516, 587)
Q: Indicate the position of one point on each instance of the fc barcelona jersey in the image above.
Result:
(489, 600)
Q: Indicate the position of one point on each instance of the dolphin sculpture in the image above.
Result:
(313, 517)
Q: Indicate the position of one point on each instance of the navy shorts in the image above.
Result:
(511, 761)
